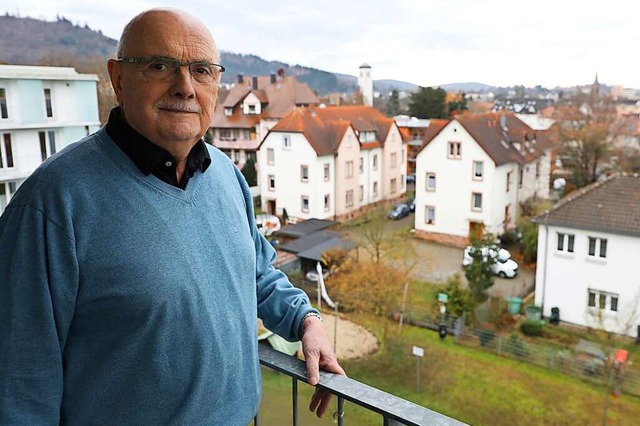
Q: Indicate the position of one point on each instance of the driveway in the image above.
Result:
(437, 262)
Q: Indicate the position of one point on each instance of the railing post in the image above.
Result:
(294, 398)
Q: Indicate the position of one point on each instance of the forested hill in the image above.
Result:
(29, 41)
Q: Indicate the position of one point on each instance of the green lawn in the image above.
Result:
(473, 386)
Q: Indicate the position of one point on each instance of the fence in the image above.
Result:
(566, 360)
(392, 409)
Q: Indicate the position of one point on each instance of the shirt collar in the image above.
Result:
(146, 155)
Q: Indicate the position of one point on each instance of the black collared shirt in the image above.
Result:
(149, 157)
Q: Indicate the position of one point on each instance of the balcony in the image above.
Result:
(392, 409)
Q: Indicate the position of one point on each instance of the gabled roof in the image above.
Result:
(435, 126)
(324, 128)
(277, 99)
(611, 206)
(499, 135)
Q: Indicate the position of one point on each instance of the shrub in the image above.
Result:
(531, 328)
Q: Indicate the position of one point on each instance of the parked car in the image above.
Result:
(399, 211)
(411, 179)
(504, 267)
(411, 202)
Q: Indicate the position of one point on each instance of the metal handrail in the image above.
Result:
(394, 410)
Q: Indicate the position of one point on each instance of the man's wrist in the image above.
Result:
(306, 317)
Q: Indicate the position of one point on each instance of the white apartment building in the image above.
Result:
(42, 110)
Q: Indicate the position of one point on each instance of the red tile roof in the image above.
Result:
(500, 143)
(324, 128)
(277, 99)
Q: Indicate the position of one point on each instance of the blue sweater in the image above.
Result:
(125, 300)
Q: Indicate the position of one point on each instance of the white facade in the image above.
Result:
(599, 290)
(334, 185)
(42, 110)
(460, 189)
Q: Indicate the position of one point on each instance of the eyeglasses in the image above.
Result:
(165, 69)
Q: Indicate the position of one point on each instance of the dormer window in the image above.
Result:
(367, 136)
(252, 109)
(228, 111)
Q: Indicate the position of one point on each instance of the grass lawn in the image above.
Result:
(473, 386)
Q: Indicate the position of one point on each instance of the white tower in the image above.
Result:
(365, 84)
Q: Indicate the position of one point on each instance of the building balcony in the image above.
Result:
(392, 409)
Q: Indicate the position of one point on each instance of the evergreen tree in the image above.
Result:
(393, 104)
(428, 102)
(249, 172)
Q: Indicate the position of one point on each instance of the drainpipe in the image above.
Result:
(546, 259)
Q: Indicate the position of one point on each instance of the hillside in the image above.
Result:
(29, 41)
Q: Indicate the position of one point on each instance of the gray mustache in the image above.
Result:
(179, 106)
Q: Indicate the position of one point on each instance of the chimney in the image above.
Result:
(240, 78)
(273, 77)
(254, 83)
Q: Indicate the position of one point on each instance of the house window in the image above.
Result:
(228, 111)
(431, 181)
(6, 152)
(430, 215)
(402, 159)
(478, 170)
(327, 176)
(401, 181)
(252, 109)
(375, 162)
(603, 300)
(520, 177)
(349, 169)
(394, 159)
(394, 185)
(305, 203)
(348, 198)
(598, 246)
(538, 168)
(508, 181)
(361, 166)
(375, 189)
(454, 150)
(47, 102)
(270, 156)
(47, 144)
(361, 193)
(4, 112)
(272, 182)
(476, 201)
(566, 242)
(327, 202)
(286, 141)
(304, 173)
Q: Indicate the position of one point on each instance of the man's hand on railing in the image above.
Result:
(318, 354)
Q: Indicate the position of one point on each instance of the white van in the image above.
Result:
(505, 267)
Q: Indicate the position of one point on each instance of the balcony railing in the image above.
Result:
(394, 410)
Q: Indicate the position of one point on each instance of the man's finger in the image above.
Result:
(313, 370)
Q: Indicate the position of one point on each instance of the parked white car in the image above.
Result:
(505, 267)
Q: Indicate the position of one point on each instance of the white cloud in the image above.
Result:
(500, 42)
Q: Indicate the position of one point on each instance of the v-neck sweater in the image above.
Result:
(126, 300)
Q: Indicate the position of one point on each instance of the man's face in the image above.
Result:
(175, 112)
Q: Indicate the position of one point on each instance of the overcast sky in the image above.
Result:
(426, 42)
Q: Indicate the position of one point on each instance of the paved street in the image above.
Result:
(436, 262)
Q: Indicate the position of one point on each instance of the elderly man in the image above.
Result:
(131, 270)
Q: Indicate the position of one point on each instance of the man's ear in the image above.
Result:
(115, 76)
